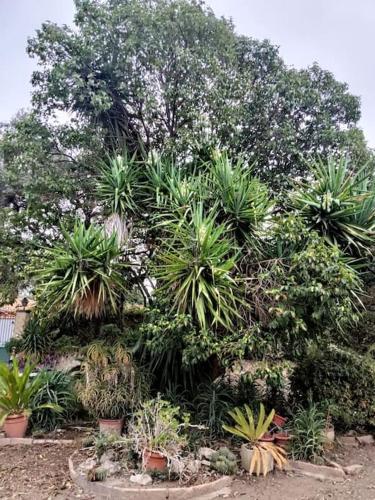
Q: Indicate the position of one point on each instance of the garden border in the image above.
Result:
(106, 490)
(4, 441)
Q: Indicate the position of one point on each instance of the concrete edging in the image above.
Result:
(30, 441)
(112, 489)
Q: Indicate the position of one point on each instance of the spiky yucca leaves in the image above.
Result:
(120, 191)
(338, 204)
(243, 201)
(195, 268)
(82, 274)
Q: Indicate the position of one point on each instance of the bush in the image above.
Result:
(340, 378)
(57, 387)
(307, 429)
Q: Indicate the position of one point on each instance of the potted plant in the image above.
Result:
(256, 455)
(157, 433)
(109, 388)
(17, 392)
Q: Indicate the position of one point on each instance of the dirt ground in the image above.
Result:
(40, 472)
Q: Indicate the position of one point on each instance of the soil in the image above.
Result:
(40, 472)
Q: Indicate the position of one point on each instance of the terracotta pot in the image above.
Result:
(246, 456)
(282, 439)
(111, 426)
(278, 420)
(267, 438)
(154, 461)
(15, 426)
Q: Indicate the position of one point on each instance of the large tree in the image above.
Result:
(171, 75)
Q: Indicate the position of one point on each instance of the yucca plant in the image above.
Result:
(82, 274)
(243, 201)
(120, 190)
(18, 389)
(252, 429)
(338, 204)
(196, 267)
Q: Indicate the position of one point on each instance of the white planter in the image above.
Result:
(246, 456)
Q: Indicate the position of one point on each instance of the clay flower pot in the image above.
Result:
(267, 438)
(154, 461)
(15, 426)
(278, 420)
(111, 426)
(246, 454)
(282, 439)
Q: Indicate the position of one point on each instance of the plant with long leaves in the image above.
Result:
(120, 190)
(18, 389)
(243, 201)
(82, 275)
(250, 429)
(338, 204)
(196, 267)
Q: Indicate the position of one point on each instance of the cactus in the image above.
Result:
(224, 461)
(97, 474)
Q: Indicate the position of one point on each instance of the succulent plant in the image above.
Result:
(224, 461)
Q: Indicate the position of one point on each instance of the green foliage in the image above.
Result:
(247, 427)
(159, 426)
(224, 462)
(195, 267)
(57, 388)
(338, 204)
(212, 402)
(111, 386)
(18, 390)
(307, 428)
(82, 275)
(341, 378)
(314, 294)
(243, 202)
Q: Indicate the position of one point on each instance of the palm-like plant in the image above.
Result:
(82, 275)
(196, 268)
(119, 189)
(243, 201)
(17, 391)
(339, 204)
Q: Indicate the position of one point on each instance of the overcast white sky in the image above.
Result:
(338, 34)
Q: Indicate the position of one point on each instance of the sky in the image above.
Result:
(338, 34)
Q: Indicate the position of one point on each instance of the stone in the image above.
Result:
(141, 479)
(108, 463)
(193, 467)
(349, 441)
(207, 463)
(353, 470)
(333, 464)
(366, 440)
(87, 465)
(205, 453)
(321, 472)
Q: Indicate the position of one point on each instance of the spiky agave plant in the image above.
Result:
(196, 267)
(82, 274)
(338, 204)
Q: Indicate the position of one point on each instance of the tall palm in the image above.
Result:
(82, 274)
(339, 204)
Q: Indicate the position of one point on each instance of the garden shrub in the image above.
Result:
(57, 388)
(340, 378)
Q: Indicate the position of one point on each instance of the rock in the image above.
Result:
(353, 470)
(205, 453)
(333, 464)
(349, 441)
(321, 472)
(207, 463)
(193, 466)
(87, 465)
(141, 479)
(108, 463)
(366, 440)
